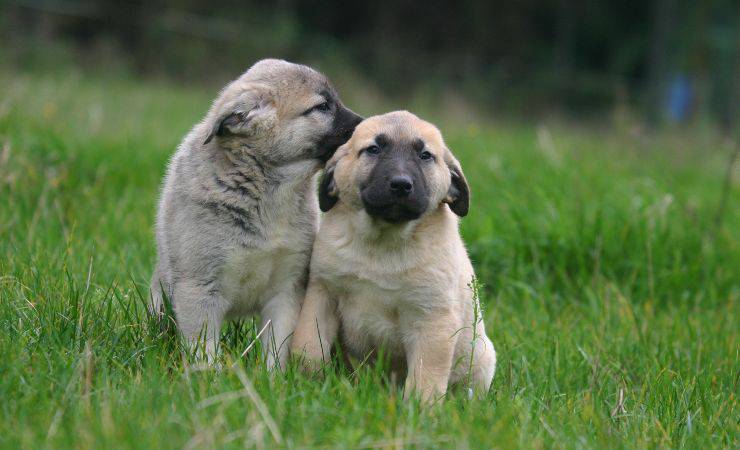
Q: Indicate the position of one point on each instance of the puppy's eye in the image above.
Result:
(372, 150)
(425, 155)
(321, 107)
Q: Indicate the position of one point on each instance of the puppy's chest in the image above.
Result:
(383, 282)
(371, 316)
(376, 307)
(250, 277)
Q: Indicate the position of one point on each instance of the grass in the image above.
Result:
(608, 290)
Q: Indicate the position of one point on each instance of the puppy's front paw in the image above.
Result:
(309, 365)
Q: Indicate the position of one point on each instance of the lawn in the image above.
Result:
(610, 291)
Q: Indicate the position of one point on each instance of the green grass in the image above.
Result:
(605, 278)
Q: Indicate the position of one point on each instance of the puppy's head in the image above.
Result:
(397, 168)
(288, 112)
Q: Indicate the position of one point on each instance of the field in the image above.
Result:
(610, 272)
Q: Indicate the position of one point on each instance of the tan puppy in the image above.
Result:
(389, 269)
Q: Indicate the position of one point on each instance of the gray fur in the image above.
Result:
(238, 211)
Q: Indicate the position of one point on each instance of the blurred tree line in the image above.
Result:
(667, 59)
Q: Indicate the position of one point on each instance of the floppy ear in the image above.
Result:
(239, 122)
(328, 190)
(458, 195)
(328, 193)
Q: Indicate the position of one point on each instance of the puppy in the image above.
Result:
(389, 269)
(238, 210)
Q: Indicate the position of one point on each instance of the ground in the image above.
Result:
(610, 280)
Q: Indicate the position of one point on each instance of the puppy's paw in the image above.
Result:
(308, 365)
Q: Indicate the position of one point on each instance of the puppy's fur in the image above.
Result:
(389, 268)
(237, 215)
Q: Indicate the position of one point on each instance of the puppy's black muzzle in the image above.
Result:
(393, 212)
(345, 121)
(396, 190)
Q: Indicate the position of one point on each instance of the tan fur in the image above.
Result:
(403, 287)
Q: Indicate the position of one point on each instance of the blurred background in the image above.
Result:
(651, 62)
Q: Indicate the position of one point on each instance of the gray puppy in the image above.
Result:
(238, 211)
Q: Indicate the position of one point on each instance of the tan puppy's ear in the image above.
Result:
(328, 190)
(245, 117)
(458, 195)
(328, 193)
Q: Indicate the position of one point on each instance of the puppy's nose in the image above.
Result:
(401, 185)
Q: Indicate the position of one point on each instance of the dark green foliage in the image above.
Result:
(528, 58)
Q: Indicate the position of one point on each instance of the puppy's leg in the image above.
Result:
(484, 362)
(159, 288)
(156, 290)
(200, 309)
(317, 326)
(430, 348)
(279, 315)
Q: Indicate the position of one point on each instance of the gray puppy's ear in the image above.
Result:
(458, 195)
(238, 122)
(328, 192)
